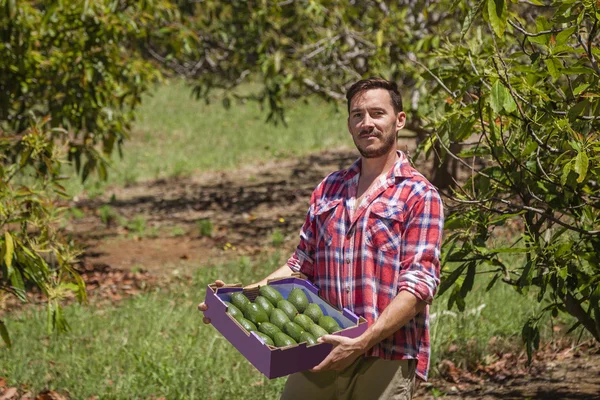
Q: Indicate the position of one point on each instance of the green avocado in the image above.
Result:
(255, 313)
(265, 304)
(233, 310)
(303, 320)
(282, 340)
(298, 299)
(329, 324)
(270, 294)
(268, 329)
(279, 318)
(248, 325)
(265, 338)
(239, 300)
(288, 308)
(313, 310)
(308, 338)
(293, 330)
(317, 331)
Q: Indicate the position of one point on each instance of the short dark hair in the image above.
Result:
(376, 83)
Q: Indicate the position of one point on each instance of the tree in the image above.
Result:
(508, 91)
(71, 75)
(522, 89)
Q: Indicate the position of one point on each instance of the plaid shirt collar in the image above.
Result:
(401, 169)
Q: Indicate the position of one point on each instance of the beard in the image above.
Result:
(389, 142)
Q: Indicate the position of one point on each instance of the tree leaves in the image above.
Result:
(501, 99)
(498, 14)
(4, 334)
(9, 248)
(581, 166)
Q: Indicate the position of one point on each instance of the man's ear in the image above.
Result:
(400, 120)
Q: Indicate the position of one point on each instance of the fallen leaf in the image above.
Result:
(9, 394)
(50, 395)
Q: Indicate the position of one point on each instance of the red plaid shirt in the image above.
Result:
(362, 256)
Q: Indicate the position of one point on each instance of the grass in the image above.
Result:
(176, 136)
(155, 344)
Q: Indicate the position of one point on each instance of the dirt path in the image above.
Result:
(248, 209)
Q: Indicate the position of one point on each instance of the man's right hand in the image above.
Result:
(203, 307)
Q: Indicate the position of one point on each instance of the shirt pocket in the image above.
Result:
(385, 227)
(326, 222)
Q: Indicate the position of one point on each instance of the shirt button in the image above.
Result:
(348, 260)
(347, 289)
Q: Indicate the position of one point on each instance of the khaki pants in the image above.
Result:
(367, 378)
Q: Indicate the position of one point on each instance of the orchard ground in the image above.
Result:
(184, 208)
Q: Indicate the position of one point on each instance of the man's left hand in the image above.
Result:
(344, 352)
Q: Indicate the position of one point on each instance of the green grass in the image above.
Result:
(156, 345)
(151, 345)
(176, 135)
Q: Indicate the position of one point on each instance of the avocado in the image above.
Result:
(303, 320)
(265, 338)
(265, 304)
(279, 318)
(233, 310)
(239, 300)
(254, 313)
(298, 299)
(293, 330)
(248, 325)
(317, 331)
(308, 338)
(329, 324)
(313, 310)
(288, 308)
(282, 340)
(268, 329)
(270, 294)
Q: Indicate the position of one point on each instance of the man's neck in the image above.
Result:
(371, 168)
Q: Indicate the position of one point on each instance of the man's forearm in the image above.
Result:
(281, 272)
(402, 309)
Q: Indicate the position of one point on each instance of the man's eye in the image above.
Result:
(356, 115)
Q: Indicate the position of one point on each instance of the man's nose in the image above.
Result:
(367, 122)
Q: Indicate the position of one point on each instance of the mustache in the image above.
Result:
(373, 132)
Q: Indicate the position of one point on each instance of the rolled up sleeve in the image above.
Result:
(421, 243)
(302, 260)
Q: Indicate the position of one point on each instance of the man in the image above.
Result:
(371, 243)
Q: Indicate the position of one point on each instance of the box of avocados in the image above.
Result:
(276, 326)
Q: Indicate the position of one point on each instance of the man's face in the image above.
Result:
(373, 123)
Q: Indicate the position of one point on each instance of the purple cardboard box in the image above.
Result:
(274, 362)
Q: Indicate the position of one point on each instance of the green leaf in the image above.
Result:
(449, 281)
(498, 13)
(531, 336)
(564, 35)
(470, 17)
(4, 334)
(509, 103)
(580, 88)
(9, 249)
(581, 166)
(498, 96)
(565, 174)
(467, 285)
(576, 110)
(492, 282)
(554, 67)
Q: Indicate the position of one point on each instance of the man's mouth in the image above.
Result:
(368, 135)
